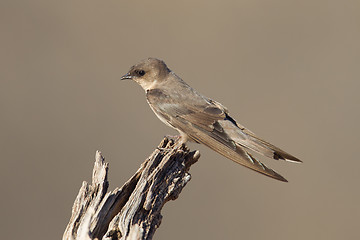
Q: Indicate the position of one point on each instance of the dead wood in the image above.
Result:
(134, 210)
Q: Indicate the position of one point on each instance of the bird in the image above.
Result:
(200, 119)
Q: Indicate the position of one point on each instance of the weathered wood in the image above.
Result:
(134, 210)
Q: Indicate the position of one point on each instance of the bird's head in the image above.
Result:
(147, 73)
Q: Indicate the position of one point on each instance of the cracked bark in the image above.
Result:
(134, 210)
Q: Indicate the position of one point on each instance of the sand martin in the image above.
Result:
(201, 119)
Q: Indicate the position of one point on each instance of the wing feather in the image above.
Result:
(227, 148)
(208, 122)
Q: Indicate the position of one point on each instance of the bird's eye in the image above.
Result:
(141, 72)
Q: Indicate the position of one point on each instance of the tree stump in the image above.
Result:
(134, 210)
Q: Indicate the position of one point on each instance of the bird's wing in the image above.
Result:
(208, 122)
(225, 147)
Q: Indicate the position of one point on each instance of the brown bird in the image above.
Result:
(201, 119)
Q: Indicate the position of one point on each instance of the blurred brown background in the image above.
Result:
(288, 70)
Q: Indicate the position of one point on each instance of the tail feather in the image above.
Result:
(249, 140)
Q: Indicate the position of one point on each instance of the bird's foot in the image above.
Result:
(173, 137)
(175, 142)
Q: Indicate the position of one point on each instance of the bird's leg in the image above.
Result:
(176, 140)
(173, 137)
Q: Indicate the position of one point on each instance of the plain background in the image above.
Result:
(288, 70)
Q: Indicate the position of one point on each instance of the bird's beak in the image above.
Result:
(126, 76)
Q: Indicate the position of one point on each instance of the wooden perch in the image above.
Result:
(134, 210)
